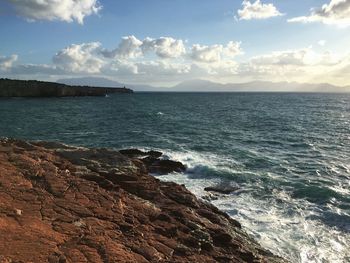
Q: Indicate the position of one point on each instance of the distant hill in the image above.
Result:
(33, 88)
(199, 85)
(256, 86)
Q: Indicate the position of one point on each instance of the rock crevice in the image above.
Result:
(67, 204)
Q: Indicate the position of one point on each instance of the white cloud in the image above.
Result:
(127, 59)
(80, 58)
(164, 47)
(257, 10)
(216, 62)
(296, 58)
(6, 63)
(340, 72)
(233, 49)
(282, 58)
(215, 53)
(129, 47)
(301, 65)
(322, 43)
(121, 67)
(132, 62)
(62, 10)
(163, 59)
(337, 12)
(207, 54)
(161, 67)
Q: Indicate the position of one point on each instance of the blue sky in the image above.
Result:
(269, 40)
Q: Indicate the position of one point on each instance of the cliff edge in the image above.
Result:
(60, 203)
(33, 88)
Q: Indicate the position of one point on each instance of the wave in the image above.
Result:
(281, 216)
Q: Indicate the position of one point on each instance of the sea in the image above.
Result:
(287, 153)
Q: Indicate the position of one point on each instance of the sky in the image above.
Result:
(164, 42)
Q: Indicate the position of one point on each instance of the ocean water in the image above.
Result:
(289, 154)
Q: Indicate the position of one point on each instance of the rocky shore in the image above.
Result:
(33, 88)
(60, 203)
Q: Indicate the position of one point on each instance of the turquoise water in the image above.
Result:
(288, 153)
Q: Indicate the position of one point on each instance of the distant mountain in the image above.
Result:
(199, 85)
(256, 86)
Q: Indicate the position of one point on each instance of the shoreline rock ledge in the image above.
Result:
(61, 203)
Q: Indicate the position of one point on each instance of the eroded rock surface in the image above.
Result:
(66, 204)
(222, 189)
(153, 161)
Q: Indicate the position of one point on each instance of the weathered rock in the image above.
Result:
(64, 204)
(132, 153)
(154, 154)
(222, 189)
(166, 167)
(153, 163)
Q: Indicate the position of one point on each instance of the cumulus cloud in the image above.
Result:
(216, 62)
(62, 10)
(129, 47)
(133, 56)
(257, 10)
(215, 53)
(163, 59)
(299, 57)
(161, 67)
(6, 63)
(121, 67)
(164, 47)
(206, 54)
(128, 58)
(282, 58)
(337, 12)
(232, 49)
(80, 58)
(299, 65)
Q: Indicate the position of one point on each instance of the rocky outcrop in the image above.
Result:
(33, 88)
(222, 189)
(67, 204)
(153, 161)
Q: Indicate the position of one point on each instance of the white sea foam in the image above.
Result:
(289, 227)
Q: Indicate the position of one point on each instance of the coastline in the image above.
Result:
(62, 203)
(41, 89)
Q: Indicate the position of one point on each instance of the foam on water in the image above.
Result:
(292, 228)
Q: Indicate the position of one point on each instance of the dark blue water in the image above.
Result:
(288, 153)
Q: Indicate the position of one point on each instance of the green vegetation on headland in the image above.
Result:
(33, 88)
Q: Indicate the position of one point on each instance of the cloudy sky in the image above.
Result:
(163, 42)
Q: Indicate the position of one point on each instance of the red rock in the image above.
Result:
(64, 204)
